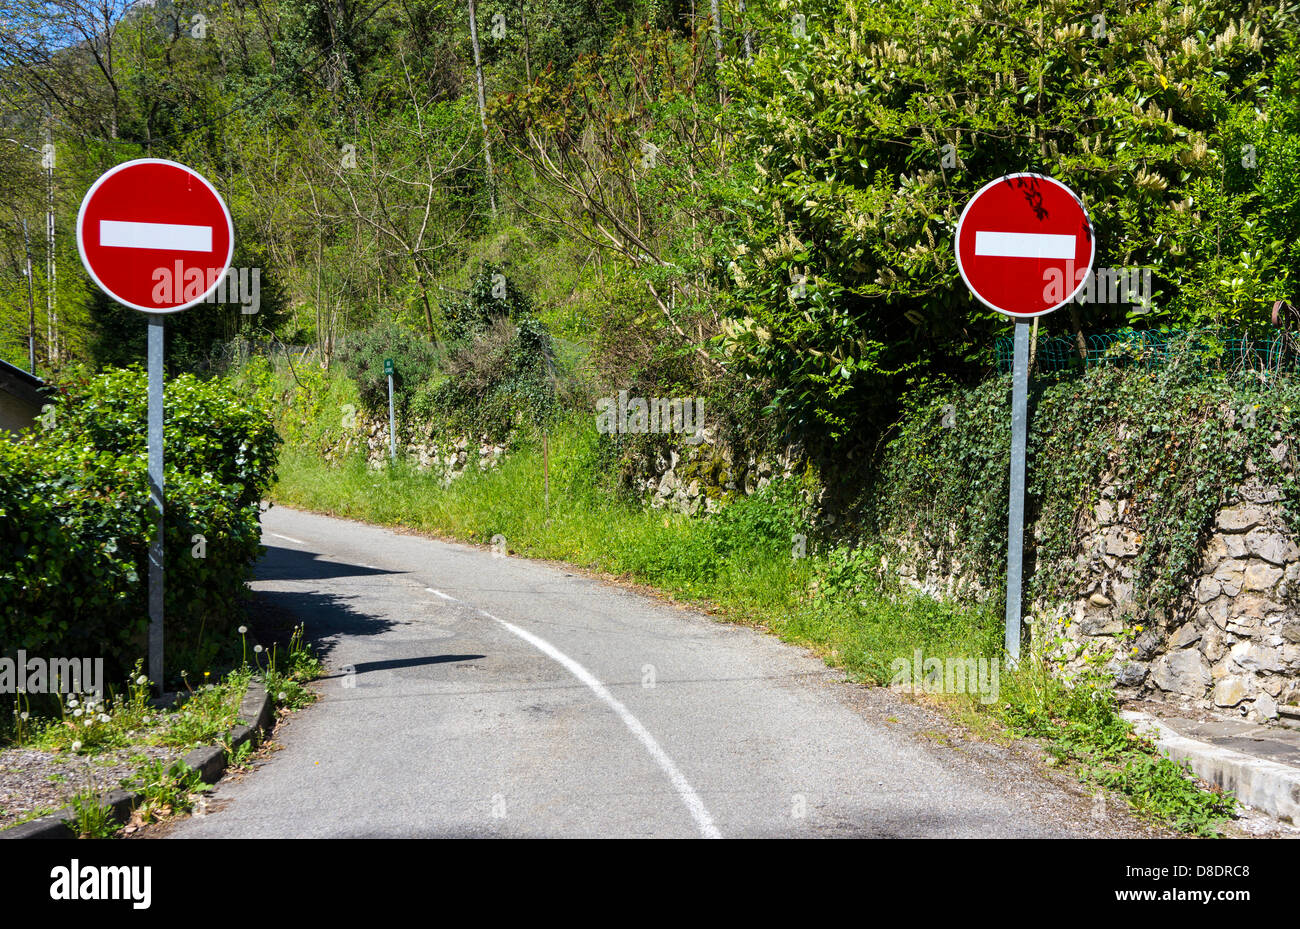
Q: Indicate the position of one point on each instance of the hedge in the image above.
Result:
(75, 519)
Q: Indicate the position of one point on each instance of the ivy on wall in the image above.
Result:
(1176, 442)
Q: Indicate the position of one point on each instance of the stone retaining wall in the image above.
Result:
(1231, 642)
(702, 477)
(449, 458)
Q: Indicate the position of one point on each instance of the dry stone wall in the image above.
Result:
(448, 458)
(701, 477)
(1230, 642)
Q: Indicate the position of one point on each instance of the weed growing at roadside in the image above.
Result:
(1080, 724)
(168, 789)
(91, 818)
(286, 676)
(208, 713)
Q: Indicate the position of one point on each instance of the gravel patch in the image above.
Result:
(33, 781)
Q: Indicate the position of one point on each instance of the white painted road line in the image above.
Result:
(683, 787)
(287, 538)
(115, 233)
(684, 790)
(1024, 245)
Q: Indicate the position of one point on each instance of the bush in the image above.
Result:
(870, 131)
(76, 522)
(491, 296)
(501, 368)
(415, 363)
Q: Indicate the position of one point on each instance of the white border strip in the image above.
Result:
(1259, 782)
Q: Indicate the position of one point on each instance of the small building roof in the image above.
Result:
(21, 384)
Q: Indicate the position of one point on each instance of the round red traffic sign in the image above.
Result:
(1025, 245)
(155, 235)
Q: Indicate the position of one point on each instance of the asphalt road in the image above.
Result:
(494, 696)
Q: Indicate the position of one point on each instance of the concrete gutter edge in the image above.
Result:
(255, 720)
(1265, 785)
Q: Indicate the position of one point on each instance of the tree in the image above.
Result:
(870, 128)
(482, 107)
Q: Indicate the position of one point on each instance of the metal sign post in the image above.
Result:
(156, 498)
(1016, 509)
(392, 420)
(1024, 247)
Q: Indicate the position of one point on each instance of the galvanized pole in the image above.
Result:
(392, 424)
(1016, 511)
(51, 257)
(31, 305)
(156, 498)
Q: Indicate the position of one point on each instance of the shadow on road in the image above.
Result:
(362, 667)
(290, 564)
(324, 616)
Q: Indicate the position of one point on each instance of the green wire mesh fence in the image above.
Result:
(1214, 351)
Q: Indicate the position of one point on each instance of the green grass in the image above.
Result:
(739, 564)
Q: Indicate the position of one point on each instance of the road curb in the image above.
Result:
(1268, 786)
(256, 718)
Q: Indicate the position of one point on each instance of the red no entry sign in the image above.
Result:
(1025, 245)
(155, 235)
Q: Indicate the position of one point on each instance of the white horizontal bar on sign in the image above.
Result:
(1024, 245)
(115, 233)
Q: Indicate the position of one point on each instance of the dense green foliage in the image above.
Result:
(1175, 122)
(494, 371)
(363, 353)
(492, 296)
(766, 212)
(502, 369)
(77, 521)
(498, 380)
